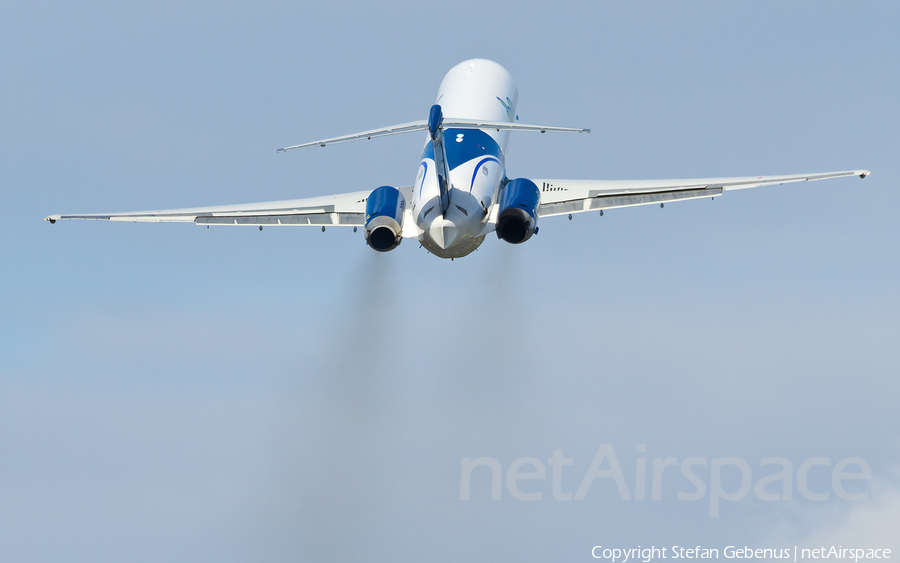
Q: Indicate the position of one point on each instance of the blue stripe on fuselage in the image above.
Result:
(424, 173)
(478, 166)
(473, 144)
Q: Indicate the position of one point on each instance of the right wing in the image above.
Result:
(338, 210)
(559, 197)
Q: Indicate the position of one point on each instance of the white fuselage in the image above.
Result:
(475, 89)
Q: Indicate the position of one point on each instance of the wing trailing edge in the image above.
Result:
(559, 197)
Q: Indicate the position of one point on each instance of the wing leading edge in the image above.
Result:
(559, 197)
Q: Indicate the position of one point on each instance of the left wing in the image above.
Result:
(339, 210)
(559, 197)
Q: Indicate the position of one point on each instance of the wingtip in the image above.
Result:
(585, 130)
(52, 219)
(279, 150)
(864, 173)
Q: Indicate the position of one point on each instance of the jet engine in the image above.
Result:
(518, 207)
(384, 218)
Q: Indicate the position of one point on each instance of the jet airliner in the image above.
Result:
(461, 192)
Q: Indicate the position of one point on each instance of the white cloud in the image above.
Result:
(867, 524)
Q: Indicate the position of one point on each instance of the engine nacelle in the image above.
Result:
(384, 218)
(518, 209)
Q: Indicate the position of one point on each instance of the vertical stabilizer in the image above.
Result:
(435, 121)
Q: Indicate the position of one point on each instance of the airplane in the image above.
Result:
(461, 192)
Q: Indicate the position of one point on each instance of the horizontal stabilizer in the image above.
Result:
(383, 132)
(504, 126)
(423, 126)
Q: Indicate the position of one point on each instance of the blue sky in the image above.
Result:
(169, 392)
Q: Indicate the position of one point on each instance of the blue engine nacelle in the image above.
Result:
(384, 218)
(518, 208)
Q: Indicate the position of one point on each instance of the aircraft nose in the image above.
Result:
(444, 233)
